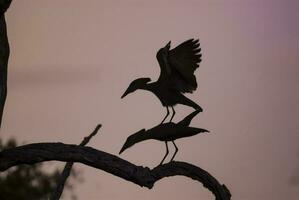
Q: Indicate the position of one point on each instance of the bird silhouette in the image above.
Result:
(177, 68)
(165, 132)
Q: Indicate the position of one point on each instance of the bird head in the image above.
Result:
(133, 139)
(136, 84)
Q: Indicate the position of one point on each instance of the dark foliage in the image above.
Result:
(27, 182)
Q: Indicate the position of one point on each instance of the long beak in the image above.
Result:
(125, 94)
(122, 149)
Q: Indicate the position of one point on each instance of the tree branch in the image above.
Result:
(142, 176)
(4, 5)
(68, 167)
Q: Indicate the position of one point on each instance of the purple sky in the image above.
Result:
(71, 60)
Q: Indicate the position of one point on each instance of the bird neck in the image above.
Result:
(147, 86)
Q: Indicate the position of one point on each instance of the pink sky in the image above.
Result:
(71, 60)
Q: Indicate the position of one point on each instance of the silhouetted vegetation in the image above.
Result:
(27, 181)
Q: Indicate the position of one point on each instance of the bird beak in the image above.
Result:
(125, 94)
(122, 149)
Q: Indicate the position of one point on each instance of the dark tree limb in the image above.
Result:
(4, 55)
(4, 5)
(68, 167)
(142, 176)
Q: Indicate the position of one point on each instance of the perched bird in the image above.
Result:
(177, 68)
(165, 132)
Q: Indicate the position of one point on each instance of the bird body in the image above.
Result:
(169, 96)
(177, 68)
(165, 132)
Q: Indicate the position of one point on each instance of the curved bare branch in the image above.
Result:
(142, 176)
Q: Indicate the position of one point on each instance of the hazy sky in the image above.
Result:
(71, 61)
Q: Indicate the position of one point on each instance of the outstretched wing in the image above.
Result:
(183, 61)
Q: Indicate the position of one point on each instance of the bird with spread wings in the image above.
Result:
(177, 68)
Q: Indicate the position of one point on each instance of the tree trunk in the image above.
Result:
(4, 55)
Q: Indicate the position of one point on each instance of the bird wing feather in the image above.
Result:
(184, 60)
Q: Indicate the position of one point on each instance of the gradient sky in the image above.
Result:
(71, 61)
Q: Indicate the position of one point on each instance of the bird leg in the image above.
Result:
(166, 115)
(176, 150)
(165, 154)
(173, 113)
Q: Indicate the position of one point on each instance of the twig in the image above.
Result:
(68, 167)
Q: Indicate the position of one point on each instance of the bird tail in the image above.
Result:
(201, 130)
